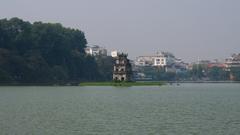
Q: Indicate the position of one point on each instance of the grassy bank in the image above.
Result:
(121, 83)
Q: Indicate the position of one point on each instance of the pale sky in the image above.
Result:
(190, 29)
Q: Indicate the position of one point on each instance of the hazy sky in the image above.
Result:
(191, 29)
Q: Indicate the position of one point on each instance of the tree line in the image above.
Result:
(197, 73)
(47, 53)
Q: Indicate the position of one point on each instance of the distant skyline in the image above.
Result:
(190, 29)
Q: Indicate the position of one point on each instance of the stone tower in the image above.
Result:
(122, 70)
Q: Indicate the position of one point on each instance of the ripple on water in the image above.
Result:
(188, 109)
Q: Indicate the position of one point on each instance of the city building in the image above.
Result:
(216, 64)
(233, 64)
(180, 66)
(160, 59)
(164, 59)
(122, 70)
(96, 50)
(144, 61)
(233, 61)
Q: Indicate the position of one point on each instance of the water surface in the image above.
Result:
(188, 109)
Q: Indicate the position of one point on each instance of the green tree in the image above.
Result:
(236, 73)
(198, 71)
(105, 67)
(217, 74)
(46, 53)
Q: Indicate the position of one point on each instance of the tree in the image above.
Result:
(46, 53)
(105, 67)
(217, 74)
(236, 73)
(198, 71)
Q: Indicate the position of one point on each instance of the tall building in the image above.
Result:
(160, 59)
(122, 70)
(164, 59)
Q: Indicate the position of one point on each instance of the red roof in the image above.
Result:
(220, 65)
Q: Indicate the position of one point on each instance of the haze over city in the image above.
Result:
(129, 67)
(190, 29)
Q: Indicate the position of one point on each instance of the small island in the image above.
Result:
(122, 84)
(122, 75)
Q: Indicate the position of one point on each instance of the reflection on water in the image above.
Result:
(188, 109)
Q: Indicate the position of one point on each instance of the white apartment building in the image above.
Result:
(96, 50)
(233, 61)
(144, 61)
(160, 59)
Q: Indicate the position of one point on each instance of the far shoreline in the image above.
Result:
(203, 82)
(109, 83)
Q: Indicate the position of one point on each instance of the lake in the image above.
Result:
(188, 109)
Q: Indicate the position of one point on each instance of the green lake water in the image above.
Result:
(188, 109)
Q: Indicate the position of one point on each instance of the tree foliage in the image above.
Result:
(236, 73)
(157, 73)
(218, 74)
(44, 53)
